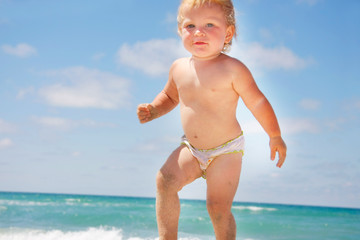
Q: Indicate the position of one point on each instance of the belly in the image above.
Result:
(207, 129)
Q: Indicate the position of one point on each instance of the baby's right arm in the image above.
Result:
(163, 103)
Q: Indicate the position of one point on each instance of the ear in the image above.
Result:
(179, 31)
(230, 31)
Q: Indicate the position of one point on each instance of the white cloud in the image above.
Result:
(252, 127)
(66, 124)
(81, 87)
(298, 125)
(310, 104)
(23, 92)
(53, 122)
(22, 50)
(288, 126)
(261, 58)
(153, 57)
(6, 127)
(5, 143)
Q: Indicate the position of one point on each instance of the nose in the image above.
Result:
(199, 32)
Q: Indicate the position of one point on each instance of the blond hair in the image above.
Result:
(226, 5)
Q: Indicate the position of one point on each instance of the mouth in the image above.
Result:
(199, 43)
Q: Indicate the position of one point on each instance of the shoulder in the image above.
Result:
(238, 71)
(180, 62)
(241, 76)
(235, 64)
(179, 65)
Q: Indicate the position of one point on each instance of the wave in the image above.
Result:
(254, 208)
(102, 233)
(90, 234)
(69, 202)
(26, 203)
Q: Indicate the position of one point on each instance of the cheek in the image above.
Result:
(216, 36)
(185, 36)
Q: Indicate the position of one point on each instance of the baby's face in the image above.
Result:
(204, 31)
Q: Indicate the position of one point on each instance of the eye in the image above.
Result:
(209, 25)
(190, 26)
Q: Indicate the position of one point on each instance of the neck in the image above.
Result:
(195, 58)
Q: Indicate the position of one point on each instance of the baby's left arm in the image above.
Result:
(262, 110)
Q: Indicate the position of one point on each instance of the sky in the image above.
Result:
(73, 72)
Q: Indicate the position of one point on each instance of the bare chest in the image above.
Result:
(203, 85)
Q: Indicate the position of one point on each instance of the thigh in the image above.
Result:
(222, 177)
(181, 168)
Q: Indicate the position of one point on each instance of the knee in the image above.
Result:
(166, 182)
(218, 210)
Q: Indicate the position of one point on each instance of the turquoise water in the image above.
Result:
(30, 216)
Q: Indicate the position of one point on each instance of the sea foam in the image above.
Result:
(90, 234)
(254, 208)
(102, 233)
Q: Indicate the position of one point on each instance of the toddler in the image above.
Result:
(207, 86)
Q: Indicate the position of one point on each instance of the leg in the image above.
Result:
(222, 181)
(180, 169)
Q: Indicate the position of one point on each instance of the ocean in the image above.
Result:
(35, 216)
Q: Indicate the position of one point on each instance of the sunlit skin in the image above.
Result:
(207, 86)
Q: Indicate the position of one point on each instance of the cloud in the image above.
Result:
(153, 57)
(81, 87)
(259, 57)
(67, 124)
(21, 50)
(252, 127)
(5, 143)
(310, 104)
(288, 126)
(299, 125)
(53, 122)
(23, 92)
(6, 127)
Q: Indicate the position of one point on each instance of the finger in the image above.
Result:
(273, 154)
(144, 119)
(143, 107)
(144, 114)
(282, 156)
(143, 110)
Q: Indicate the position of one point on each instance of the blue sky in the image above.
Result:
(73, 72)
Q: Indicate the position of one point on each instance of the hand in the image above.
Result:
(277, 144)
(145, 112)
